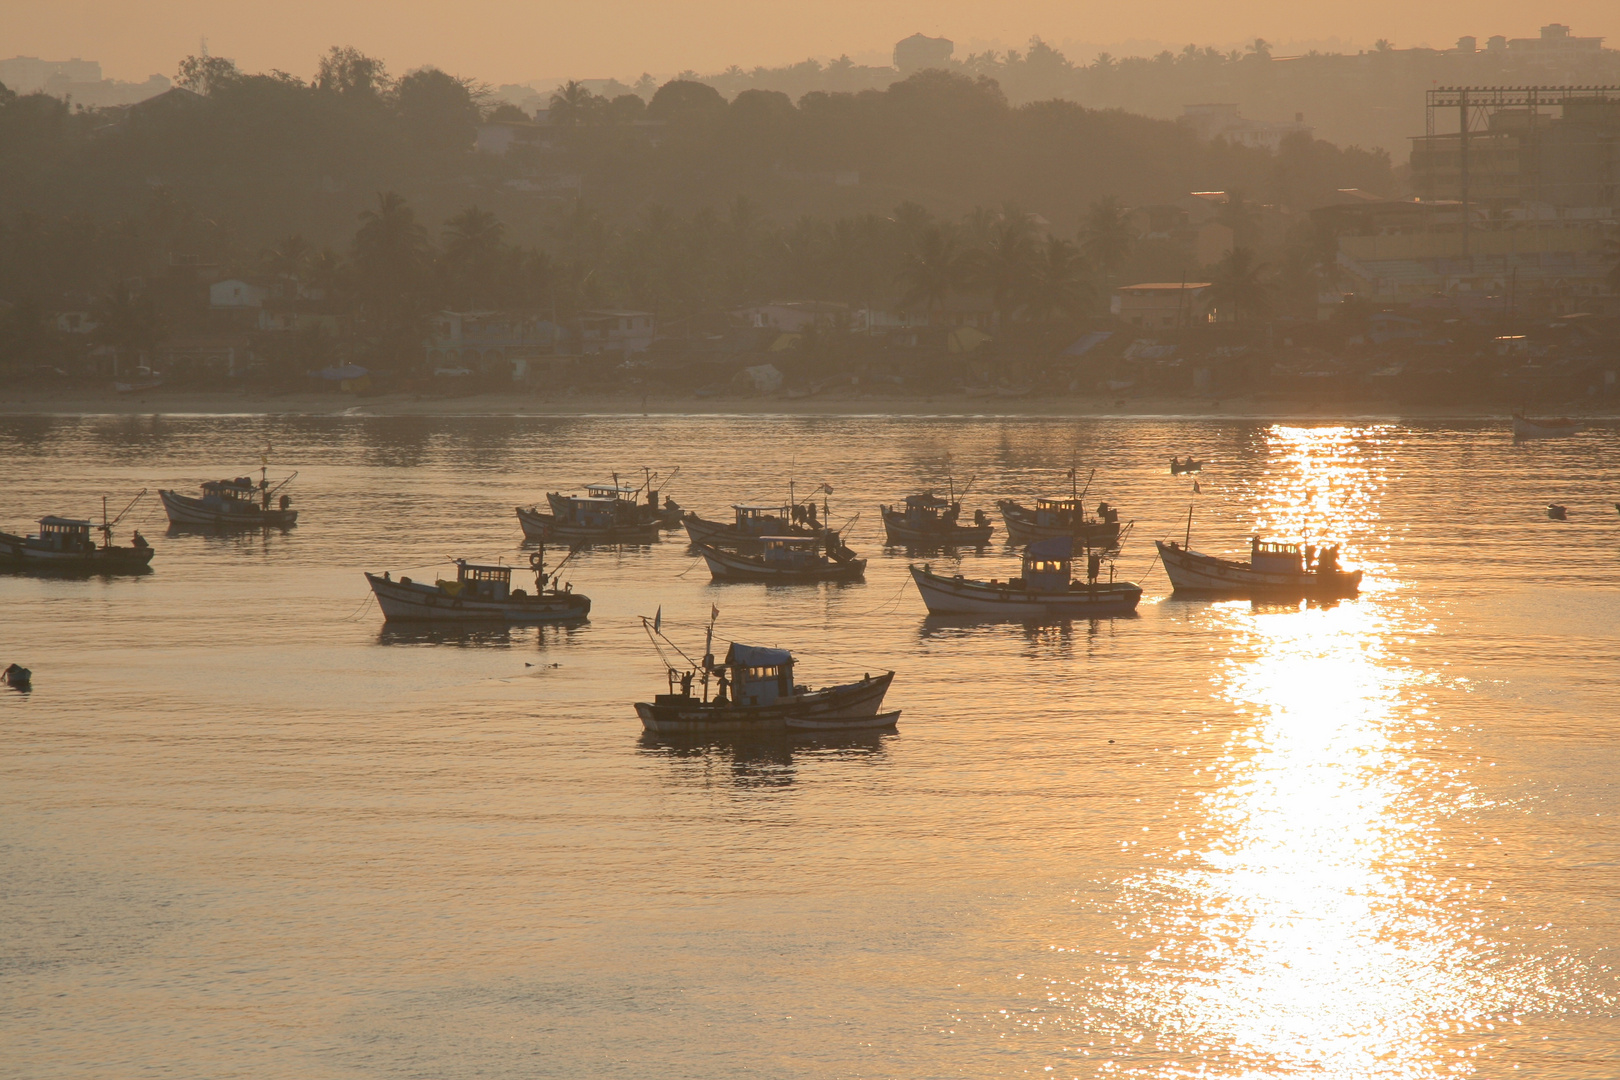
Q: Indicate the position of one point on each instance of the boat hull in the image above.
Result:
(539, 526)
(1191, 572)
(17, 554)
(403, 601)
(1022, 528)
(851, 707)
(959, 596)
(730, 566)
(1530, 429)
(719, 534)
(187, 512)
(898, 531)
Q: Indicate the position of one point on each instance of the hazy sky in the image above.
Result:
(516, 41)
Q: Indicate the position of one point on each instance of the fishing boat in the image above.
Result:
(646, 510)
(930, 520)
(1276, 568)
(1179, 467)
(1062, 516)
(601, 516)
(755, 694)
(1544, 427)
(480, 593)
(755, 521)
(1055, 517)
(1047, 587)
(64, 546)
(787, 560)
(233, 504)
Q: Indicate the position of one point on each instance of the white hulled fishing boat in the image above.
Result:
(64, 546)
(1279, 569)
(232, 504)
(480, 593)
(1047, 587)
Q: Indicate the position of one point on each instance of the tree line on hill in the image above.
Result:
(361, 195)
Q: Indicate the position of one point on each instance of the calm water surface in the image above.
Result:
(246, 831)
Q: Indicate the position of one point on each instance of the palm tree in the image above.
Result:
(1002, 267)
(1238, 214)
(932, 270)
(1059, 282)
(1107, 238)
(390, 242)
(391, 254)
(127, 321)
(1240, 285)
(573, 105)
(472, 254)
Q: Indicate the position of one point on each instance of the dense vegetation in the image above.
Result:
(363, 195)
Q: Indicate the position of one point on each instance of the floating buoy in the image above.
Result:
(1557, 513)
(18, 677)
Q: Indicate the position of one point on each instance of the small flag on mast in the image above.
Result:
(1196, 488)
(714, 613)
(658, 620)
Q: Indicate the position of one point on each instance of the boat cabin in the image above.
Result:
(758, 519)
(1049, 565)
(1061, 511)
(239, 490)
(483, 582)
(594, 512)
(611, 491)
(758, 676)
(1276, 556)
(791, 552)
(65, 534)
(929, 507)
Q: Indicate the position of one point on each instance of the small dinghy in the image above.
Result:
(1047, 588)
(480, 594)
(787, 560)
(755, 694)
(931, 521)
(18, 677)
(1557, 512)
(1179, 467)
(64, 546)
(1545, 427)
(753, 522)
(1276, 569)
(232, 504)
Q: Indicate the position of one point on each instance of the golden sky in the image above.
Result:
(519, 40)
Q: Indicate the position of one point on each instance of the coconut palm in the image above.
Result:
(1107, 237)
(1241, 285)
(1060, 282)
(1002, 267)
(932, 270)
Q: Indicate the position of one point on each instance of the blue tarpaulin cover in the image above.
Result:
(1056, 547)
(754, 656)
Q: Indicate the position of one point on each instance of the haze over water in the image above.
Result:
(247, 831)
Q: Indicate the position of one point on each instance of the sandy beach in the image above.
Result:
(81, 402)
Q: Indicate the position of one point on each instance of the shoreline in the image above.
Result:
(225, 403)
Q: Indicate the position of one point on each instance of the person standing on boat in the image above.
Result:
(140, 541)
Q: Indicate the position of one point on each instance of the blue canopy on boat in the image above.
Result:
(755, 656)
(1056, 547)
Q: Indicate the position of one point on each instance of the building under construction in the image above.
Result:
(1558, 146)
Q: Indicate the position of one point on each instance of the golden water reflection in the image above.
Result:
(1307, 925)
